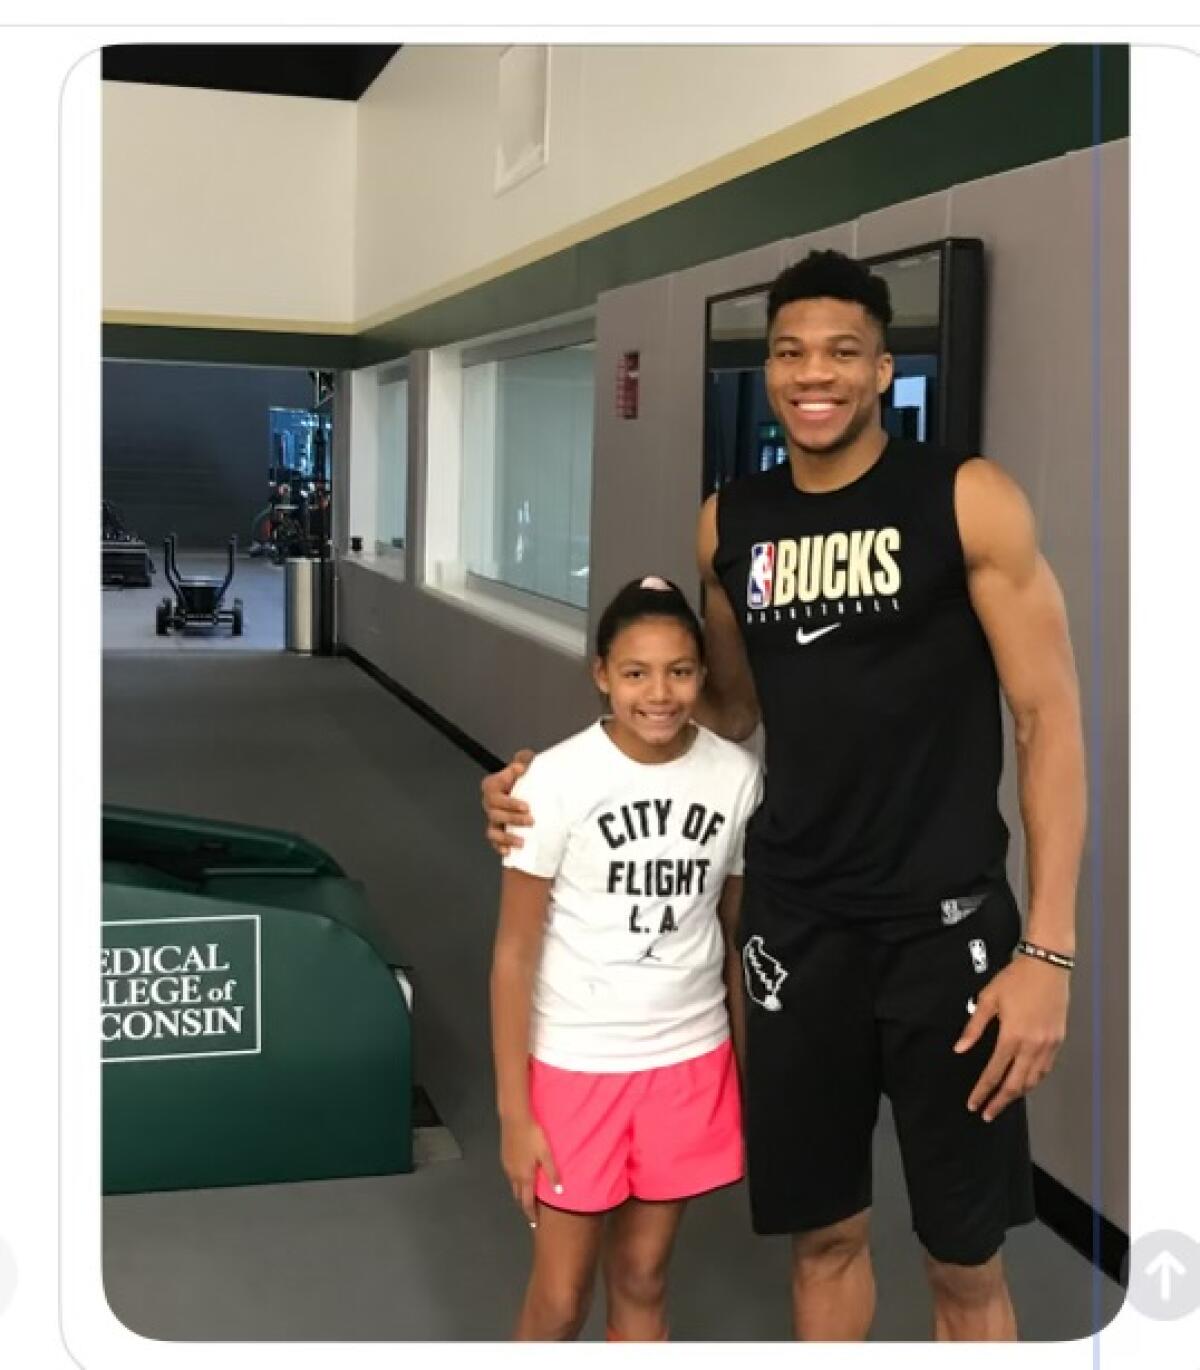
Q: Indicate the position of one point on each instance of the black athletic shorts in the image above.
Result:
(836, 1016)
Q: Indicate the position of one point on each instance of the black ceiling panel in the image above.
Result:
(333, 71)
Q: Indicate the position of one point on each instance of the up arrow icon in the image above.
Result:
(1162, 1272)
(1166, 1267)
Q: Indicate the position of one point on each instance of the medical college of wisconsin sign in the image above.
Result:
(178, 988)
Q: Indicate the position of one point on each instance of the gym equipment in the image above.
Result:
(296, 520)
(198, 599)
(124, 559)
(260, 532)
(295, 527)
(253, 1030)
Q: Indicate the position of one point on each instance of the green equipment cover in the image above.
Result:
(252, 1030)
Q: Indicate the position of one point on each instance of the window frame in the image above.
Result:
(558, 615)
(393, 373)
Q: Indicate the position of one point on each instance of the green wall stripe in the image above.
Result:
(1032, 111)
(229, 346)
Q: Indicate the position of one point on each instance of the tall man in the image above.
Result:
(869, 597)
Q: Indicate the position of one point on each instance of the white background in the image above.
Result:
(48, 450)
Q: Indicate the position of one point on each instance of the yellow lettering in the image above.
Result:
(860, 563)
(785, 572)
(809, 580)
(887, 580)
(833, 580)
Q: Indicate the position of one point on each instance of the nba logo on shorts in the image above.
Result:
(762, 574)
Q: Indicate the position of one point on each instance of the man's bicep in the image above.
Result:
(1025, 621)
(706, 541)
(730, 704)
(731, 684)
(722, 634)
(1014, 592)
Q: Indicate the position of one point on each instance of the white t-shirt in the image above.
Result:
(631, 970)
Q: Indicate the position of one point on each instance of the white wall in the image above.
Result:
(223, 207)
(624, 121)
(218, 203)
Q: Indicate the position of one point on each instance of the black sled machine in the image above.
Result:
(198, 599)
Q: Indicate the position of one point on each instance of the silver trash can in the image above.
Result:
(300, 604)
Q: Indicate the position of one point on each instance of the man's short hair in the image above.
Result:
(832, 275)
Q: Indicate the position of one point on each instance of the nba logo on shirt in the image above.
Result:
(762, 574)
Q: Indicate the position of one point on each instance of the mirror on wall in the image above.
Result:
(936, 339)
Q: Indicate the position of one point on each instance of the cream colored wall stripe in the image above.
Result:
(947, 73)
(156, 319)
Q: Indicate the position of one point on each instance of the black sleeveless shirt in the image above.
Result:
(879, 695)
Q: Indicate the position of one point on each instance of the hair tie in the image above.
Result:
(654, 583)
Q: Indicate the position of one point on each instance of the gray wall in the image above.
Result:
(185, 448)
(1038, 423)
(504, 690)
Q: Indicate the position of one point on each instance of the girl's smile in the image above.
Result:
(652, 677)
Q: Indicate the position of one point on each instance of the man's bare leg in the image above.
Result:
(971, 1302)
(833, 1285)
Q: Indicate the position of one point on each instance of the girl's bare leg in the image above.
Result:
(636, 1255)
(565, 1251)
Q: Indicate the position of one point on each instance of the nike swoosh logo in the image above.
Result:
(804, 638)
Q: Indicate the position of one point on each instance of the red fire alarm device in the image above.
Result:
(627, 386)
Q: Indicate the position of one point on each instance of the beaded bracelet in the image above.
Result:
(1056, 958)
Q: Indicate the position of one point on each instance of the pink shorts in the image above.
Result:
(666, 1133)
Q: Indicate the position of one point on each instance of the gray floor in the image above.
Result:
(316, 746)
(129, 611)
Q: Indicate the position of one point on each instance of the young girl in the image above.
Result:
(616, 1082)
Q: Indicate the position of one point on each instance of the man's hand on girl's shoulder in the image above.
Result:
(503, 812)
